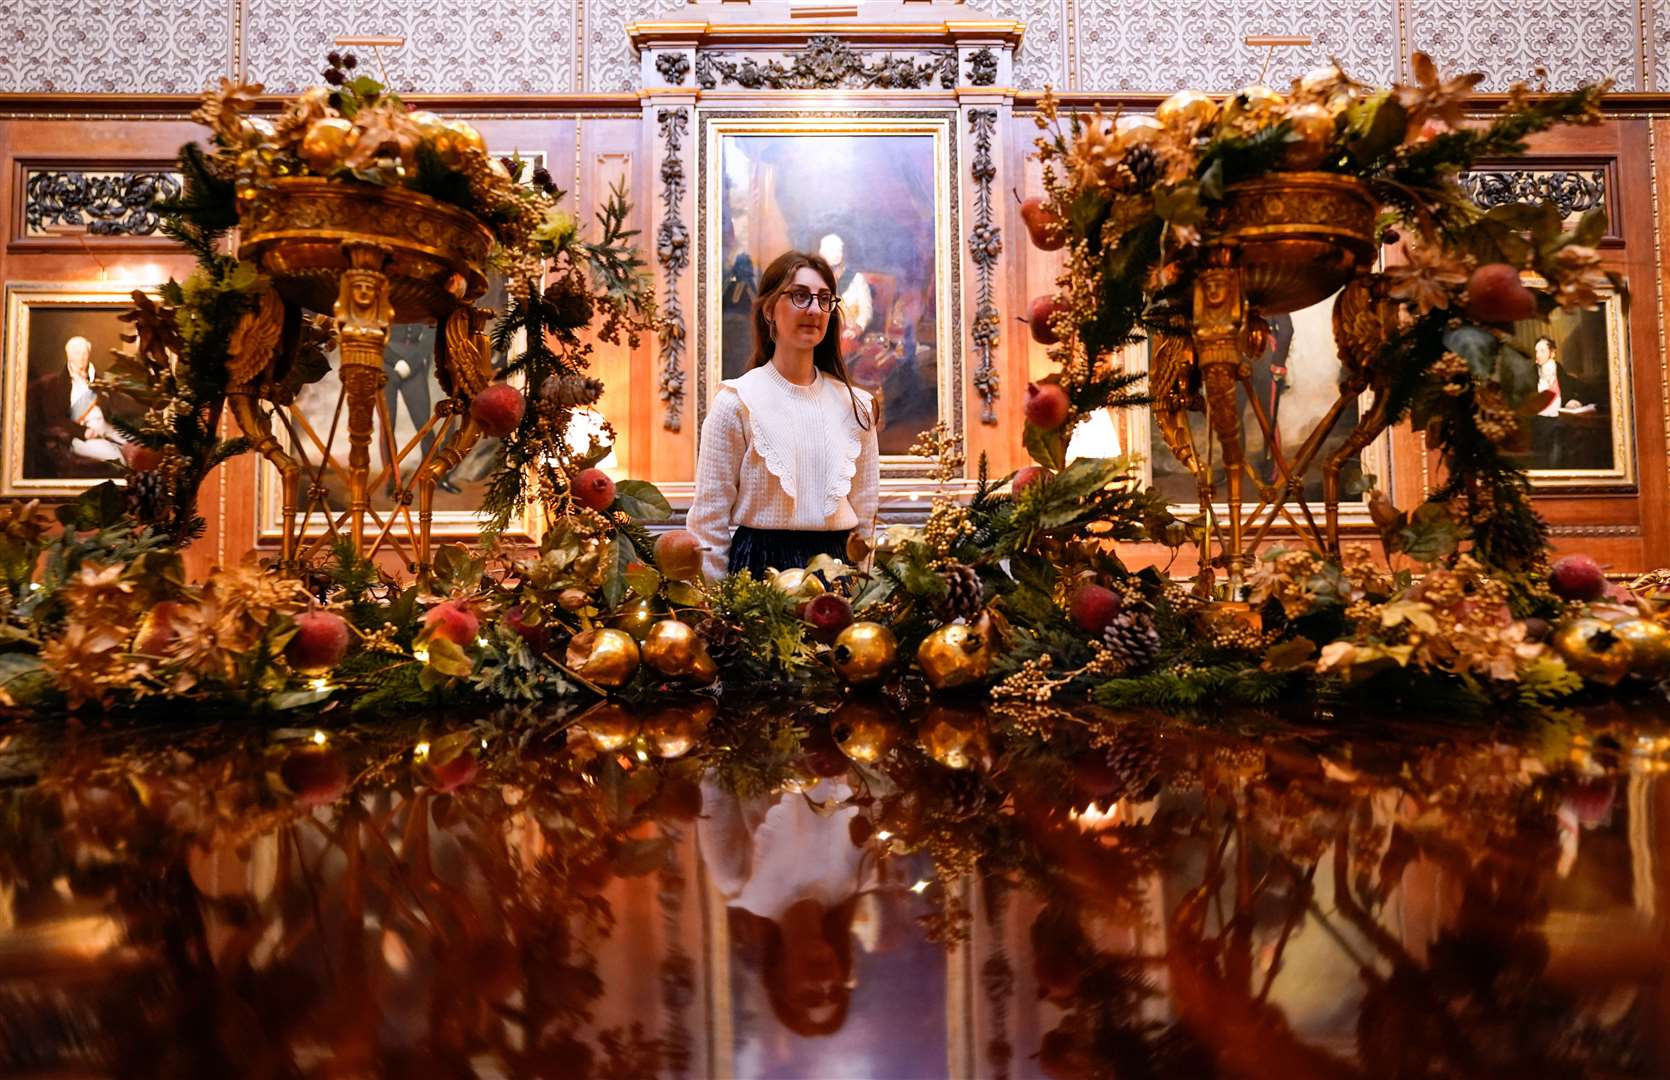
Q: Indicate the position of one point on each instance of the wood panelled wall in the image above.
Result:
(592, 141)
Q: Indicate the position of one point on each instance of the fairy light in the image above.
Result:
(34, 586)
(320, 684)
(642, 756)
(481, 641)
(421, 750)
(318, 738)
(919, 888)
(883, 834)
(421, 655)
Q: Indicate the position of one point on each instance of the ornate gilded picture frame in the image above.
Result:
(57, 438)
(1585, 437)
(876, 193)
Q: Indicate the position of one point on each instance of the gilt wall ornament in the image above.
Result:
(672, 251)
(102, 203)
(985, 243)
(828, 63)
(1572, 192)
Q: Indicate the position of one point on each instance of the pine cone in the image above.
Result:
(1134, 764)
(571, 391)
(725, 642)
(1144, 165)
(962, 593)
(1133, 638)
(568, 305)
(148, 496)
(962, 795)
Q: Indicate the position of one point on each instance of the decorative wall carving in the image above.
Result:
(828, 63)
(672, 250)
(102, 202)
(452, 46)
(1573, 192)
(674, 67)
(982, 68)
(985, 244)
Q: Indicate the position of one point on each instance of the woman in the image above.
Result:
(788, 452)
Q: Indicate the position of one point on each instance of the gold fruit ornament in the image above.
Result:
(675, 650)
(326, 143)
(1649, 645)
(864, 652)
(466, 135)
(956, 738)
(1136, 129)
(605, 656)
(865, 731)
(428, 124)
(955, 655)
(609, 725)
(1310, 136)
(1187, 111)
(636, 619)
(1255, 107)
(1594, 650)
(674, 729)
(800, 584)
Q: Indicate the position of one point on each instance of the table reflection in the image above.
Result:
(765, 892)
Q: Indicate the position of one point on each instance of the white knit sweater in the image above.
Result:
(776, 455)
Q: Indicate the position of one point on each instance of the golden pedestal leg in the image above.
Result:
(1219, 312)
(363, 314)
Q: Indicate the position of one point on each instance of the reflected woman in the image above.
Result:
(788, 451)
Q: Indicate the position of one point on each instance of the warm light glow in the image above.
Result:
(584, 424)
(320, 684)
(883, 834)
(1093, 818)
(318, 738)
(919, 888)
(421, 750)
(421, 655)
(642, 756)
(1096, 436)
(34, 586)
(481, 641)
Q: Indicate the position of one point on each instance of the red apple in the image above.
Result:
(534, 632)
(1577, 577)
(1046, 405)
(1093, 607)
(678, 554)
(453, 774)
(1028, 476)
(498, 409)
(594, 489)
(141, 458)
(829, 614)
(1496, 295)
(1038, 315)
(452, 621)
(320, 642)
(316, 775)
(1042, 225)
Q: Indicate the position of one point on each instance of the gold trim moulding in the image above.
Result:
(951, 32)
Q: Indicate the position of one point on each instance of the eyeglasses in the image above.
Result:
(802, 297)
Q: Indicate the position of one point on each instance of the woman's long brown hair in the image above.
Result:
(826, 354)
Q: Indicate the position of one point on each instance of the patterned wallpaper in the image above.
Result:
(549, 46)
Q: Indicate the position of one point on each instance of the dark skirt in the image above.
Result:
(757, 550)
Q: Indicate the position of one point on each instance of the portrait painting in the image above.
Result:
(1583, 434)
(870, 197)
(1295, 383)
(61, 434)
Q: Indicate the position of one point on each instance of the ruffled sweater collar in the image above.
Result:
(783, 416)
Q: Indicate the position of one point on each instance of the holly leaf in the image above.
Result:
(622, 556)
(98, 507)
(643, 579)
(1591, 227)
(684, 594)
(447, 658)
(1431, 534)
(1047, 448)
(1289, 655)
(1180, 203)
(1374, 126)
(642, 500)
